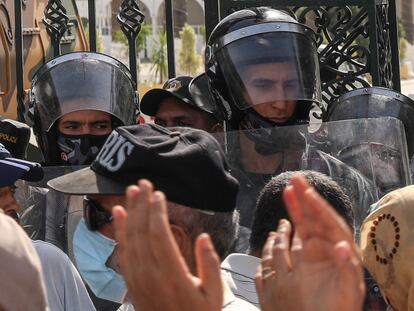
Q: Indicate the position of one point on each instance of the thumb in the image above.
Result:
(350, 274)
(208, 268)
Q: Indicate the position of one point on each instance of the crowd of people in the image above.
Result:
(226, 201)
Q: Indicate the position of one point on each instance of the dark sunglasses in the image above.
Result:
(95, 215)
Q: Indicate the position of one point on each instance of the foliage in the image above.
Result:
(141, 39)
(159, 58)
(99, 40)
(203, 33)
(402, 41)
(189, 60)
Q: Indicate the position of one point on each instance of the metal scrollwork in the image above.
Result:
(7, 28)
(56, 21)
(130, 18)
(384, 47)
(342, 34)
(356, 42)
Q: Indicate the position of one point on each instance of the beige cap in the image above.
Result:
(387, 244)
(21, 283)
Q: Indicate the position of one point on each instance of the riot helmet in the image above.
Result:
(259, 57)
(76, 82)
(201, 93)
(376, 102)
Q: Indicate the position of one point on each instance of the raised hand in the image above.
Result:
(156, 274)
(319, 268)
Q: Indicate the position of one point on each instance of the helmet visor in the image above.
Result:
(271, 67)
(84, 84)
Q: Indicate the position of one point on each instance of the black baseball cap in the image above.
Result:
(175, 87)
(15, 137)
(187, 164)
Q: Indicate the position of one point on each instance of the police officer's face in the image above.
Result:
(85, 122)
(271, 89)
(173, 112)
(8, 202)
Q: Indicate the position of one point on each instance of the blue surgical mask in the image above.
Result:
(92, 250)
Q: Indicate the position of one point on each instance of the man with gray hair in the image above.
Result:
(188, 165)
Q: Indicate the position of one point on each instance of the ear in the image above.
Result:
(182, 238)
(217, 128)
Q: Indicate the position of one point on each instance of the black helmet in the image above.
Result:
(274, 41)
(376, 102)
(104, 82)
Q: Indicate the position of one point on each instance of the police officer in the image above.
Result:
(262, 67)
(386, 147)
(263, 71)
(180, 102)
(75, 102)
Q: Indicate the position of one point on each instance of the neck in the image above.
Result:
(254, 162)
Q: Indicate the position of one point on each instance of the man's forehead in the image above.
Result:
(176, 106)
(107, 200)
(270, 71)
(86, 115)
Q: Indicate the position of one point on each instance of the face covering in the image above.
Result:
(79, 149)
(92, 250)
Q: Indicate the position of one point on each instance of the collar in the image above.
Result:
(241, 264)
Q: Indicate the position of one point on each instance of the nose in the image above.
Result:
(10, 205)
(86, 129)
(280, 105)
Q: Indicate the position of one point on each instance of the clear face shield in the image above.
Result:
(367, 157)
(272, 68)
(83, 81)
(376, 102)
(385, 164)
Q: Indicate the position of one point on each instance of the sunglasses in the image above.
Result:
(95, 215)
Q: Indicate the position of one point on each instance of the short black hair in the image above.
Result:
(270, 207)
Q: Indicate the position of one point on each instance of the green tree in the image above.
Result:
(159, 58)
(99, 40)
(141, 40)
(402, 41)
(189, 60)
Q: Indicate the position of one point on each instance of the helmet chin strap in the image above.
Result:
(269, 140)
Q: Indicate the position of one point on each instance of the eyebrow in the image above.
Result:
(263, 80)
(177, 118)
(272, 80)
(69, 122)
(102, 122)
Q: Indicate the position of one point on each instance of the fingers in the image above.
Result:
(208, 266)
(120, 217)
(281, 247)
(328, 219)
(351, 273)
(162, 239)
(294, 209)
(311, 214)
(267, 265)
(139, 200)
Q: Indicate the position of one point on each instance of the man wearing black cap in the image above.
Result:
(174, 105)
(202, 202)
